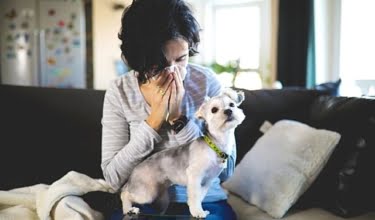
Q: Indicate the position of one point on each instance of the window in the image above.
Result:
(237, 36)
(237, 40)
(357, 46)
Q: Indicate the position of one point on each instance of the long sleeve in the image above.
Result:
(120, 151)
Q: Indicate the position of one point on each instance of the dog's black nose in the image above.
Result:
(228, 112)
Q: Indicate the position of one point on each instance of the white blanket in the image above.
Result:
(58, 201)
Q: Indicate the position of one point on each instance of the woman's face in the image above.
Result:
(176, 52)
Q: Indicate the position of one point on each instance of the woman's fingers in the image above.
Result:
(179, 84)
(173, 92)
(163, 83)
(168, 90)
(171, 100)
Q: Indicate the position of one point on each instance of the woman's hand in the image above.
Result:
(177, 94)
(161, 90)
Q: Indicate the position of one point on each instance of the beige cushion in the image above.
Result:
(282, 165)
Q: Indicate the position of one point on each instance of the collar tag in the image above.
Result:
(224, 163)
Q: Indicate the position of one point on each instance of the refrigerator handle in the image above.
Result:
(36, 58)
(42, 57)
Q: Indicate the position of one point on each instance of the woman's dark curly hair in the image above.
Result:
(146, 25)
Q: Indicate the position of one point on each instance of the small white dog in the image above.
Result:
(194, 165)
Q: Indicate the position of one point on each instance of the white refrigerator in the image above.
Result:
(42, 43)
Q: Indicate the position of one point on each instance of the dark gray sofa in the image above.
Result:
(47, 132)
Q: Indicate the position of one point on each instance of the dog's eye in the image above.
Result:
(214, 110)
(231, 104)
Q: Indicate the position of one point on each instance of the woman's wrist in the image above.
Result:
(154, 124)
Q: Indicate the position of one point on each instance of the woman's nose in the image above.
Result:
(170, 67)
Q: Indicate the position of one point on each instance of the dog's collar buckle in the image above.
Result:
(222, 155)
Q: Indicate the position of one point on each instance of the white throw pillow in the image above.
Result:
(282, 164)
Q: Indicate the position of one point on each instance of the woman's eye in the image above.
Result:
(214, 110)
(180, 60)
(231, 104)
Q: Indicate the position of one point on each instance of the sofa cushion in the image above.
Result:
(47, 132)
(282, 165)
(272, 105)
(346, 184)
(332, 88)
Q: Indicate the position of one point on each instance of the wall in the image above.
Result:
(273, 45)
(106, 45)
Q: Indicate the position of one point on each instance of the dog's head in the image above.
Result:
(221, 112)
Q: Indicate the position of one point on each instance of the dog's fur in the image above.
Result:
(194, 165)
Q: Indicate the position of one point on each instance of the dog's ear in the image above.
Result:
(240, 97)
(200, 113)
(237, 96)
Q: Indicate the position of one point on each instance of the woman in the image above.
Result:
(152, 107)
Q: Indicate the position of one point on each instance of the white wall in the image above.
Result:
(106, 46)
(274, 37)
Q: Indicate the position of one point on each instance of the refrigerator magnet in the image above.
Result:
(25, 25)
(9, 38)
(65, 40)
(12, 26)
(56, 31)
(27, 37)
(51, 12)
(51, 61)
(61, 23)
(70, 25)
(76, 43)
(11, 14)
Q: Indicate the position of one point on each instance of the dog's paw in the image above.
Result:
(199, 213)
(132, 211)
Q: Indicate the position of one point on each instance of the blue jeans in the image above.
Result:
(219, 210)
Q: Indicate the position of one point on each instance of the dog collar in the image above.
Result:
(222, 155)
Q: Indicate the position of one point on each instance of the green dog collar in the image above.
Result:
(222, 155)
